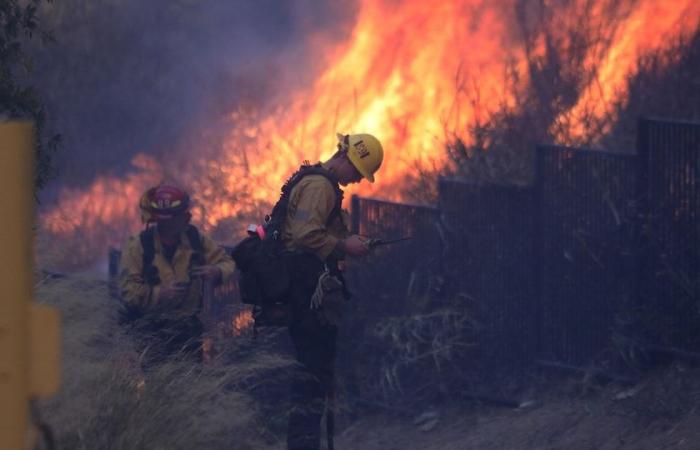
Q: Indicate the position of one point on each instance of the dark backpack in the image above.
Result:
(264, 276)
(150, 272)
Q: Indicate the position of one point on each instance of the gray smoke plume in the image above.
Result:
(131, 76)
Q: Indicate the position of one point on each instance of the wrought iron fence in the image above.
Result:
(489, 264)
(380, 218)
(404, 269)
(584, 254)
(554, 270)
(669, 195)
(393, 285)
(543, 268)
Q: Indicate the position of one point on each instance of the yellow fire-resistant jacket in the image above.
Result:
(137, 292)
(311, 202)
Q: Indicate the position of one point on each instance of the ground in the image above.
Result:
(657, 413)
(227, 405)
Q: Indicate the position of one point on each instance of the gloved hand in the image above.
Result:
(171, 292)
(209, 272)
(171, 296)
(355, 246)
(329, 298)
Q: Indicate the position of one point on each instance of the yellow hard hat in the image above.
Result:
(364, 151)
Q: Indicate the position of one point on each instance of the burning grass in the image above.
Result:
(103, 404)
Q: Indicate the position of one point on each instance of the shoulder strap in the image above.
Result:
(279, 211)
(147, 238)
(318, 170)
(197, 245)
(148, 270)
(195, 239)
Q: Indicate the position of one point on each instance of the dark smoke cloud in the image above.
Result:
(130, 76)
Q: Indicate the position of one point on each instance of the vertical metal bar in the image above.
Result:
(538, 252)
(642, 211)
(533, 325)
(114, 256)
(694, 206)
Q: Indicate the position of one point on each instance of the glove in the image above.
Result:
(327, 283)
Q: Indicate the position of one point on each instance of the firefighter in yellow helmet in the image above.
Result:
(316, 234)
(364, 152)
(162, 272)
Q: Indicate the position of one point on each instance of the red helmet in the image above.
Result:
(163, 202)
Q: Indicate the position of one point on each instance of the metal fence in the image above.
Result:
(584, 256)
(601, 243)
(403, 269)
(489, 262)
(543, 268)
(669, 195)
(379, 218)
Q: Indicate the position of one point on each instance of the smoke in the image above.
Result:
(227, 98)
(126, 76)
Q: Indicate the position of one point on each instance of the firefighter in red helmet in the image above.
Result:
(162, 272)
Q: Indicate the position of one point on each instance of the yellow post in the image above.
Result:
(29, 340)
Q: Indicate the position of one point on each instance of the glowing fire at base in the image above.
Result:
(207, 350)
(413, 72)
(242, 322)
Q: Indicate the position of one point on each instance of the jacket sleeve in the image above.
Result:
(215, 254)
(307, 219)
(134, 290)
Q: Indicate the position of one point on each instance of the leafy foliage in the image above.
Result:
(18, 100)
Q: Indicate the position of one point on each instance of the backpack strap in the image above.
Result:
(147, 238)
(197, 258)
(195, 239)
(317, 169)
(149, 271)
(279, 211)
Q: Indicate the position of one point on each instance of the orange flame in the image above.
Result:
(414, 73)
(242, 322)
(650, 26)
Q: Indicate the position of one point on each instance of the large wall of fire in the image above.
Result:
(415, 73)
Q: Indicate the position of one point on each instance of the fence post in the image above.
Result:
(538, 250)
(642, 209)
(355, 214)
(114, 256)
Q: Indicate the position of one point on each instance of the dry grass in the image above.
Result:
(182, 406)
(231, 403)
(432, 339)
